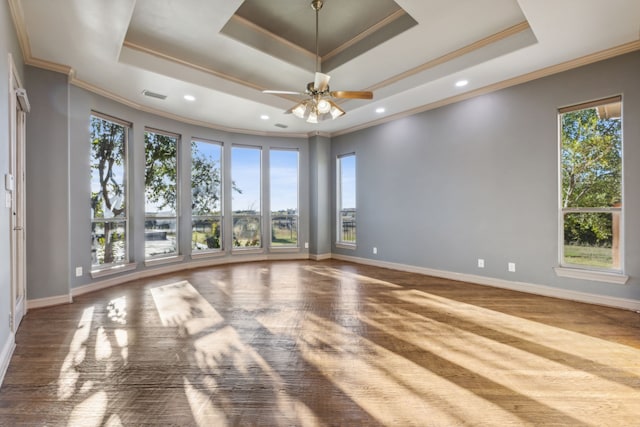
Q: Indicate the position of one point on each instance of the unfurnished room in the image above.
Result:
(319, 213)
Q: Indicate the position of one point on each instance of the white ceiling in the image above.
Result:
(175, 47)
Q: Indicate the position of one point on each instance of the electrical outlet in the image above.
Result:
(480, 263)
(375, 250)
(306, 245)
(511, 267)
(78, 271)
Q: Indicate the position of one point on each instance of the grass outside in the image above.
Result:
(199, 239)
(593, 256)
(284, 237)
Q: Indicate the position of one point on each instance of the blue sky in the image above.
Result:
(283, 170)
(348, 190)
(245, 172)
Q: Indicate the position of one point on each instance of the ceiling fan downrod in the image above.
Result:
(317, 5)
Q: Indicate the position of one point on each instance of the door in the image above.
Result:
(15, 189)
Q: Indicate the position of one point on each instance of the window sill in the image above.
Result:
(247, 250)
(350, 246)
(166, 260)
(114, 269)
(284, 249)
(207, 254)
(597, 276)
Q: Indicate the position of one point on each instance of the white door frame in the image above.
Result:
(17, 131)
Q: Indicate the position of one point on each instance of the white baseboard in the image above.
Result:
(48, 302)
(195, 263)
(320, 257)
(531, 288)
(5, 356)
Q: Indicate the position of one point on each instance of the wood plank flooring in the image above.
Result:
(329, 343)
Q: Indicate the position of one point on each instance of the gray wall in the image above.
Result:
(320, 191)
(8, 45)
(479, 179)
(47, 158)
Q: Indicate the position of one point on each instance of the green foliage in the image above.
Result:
(591, 160)
(160, 170)
(205, 183)
(592, 229)
(107, 151)
(591, 174)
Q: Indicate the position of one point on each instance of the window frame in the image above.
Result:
(296, 216)
(259, 215)
(220, 216)
(585, 271)
(340, 241)
(98, 269)
(149, 260)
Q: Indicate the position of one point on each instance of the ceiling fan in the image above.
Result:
(319, 105)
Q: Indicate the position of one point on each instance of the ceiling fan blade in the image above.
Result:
(282, 92)
(321, 82)
(352, 94)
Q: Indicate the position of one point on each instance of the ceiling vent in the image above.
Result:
(154, 95)
(280, 125)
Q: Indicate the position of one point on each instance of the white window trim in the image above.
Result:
(206, 253)
(339, 242)
(285, 248)
(128, 126)
(343, 245)
(586, 272)
(592, 275)
(163, 259)
(113, 269)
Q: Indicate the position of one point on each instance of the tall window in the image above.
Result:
(283, 170)
(161, 194)
(346, 191)
(206, 212)
(591, 205)
(246, 177)
(109, 219)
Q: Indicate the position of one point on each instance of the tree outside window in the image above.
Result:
(161, 194)
(108, 138)
(591, 204)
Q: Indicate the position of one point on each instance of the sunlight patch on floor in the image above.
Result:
(117, 310)
(341, 275)
(90, 412)
(377, 378)
(77, 351)
(550, 337)
(205, 412)
(533, 360)
(217, 350)
(180, 304)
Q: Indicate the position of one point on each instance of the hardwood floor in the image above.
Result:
(321, 343)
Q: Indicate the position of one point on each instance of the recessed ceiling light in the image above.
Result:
(380, 110)
(190, 97)
(264, 117)
(461, 83)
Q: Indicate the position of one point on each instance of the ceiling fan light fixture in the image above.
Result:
(300, 110)
(335, 111)
(324, 106)
(313, 117)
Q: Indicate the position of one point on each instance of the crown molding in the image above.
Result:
(501, 35)
(534, 75)
(363, 35)
(114, 97)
